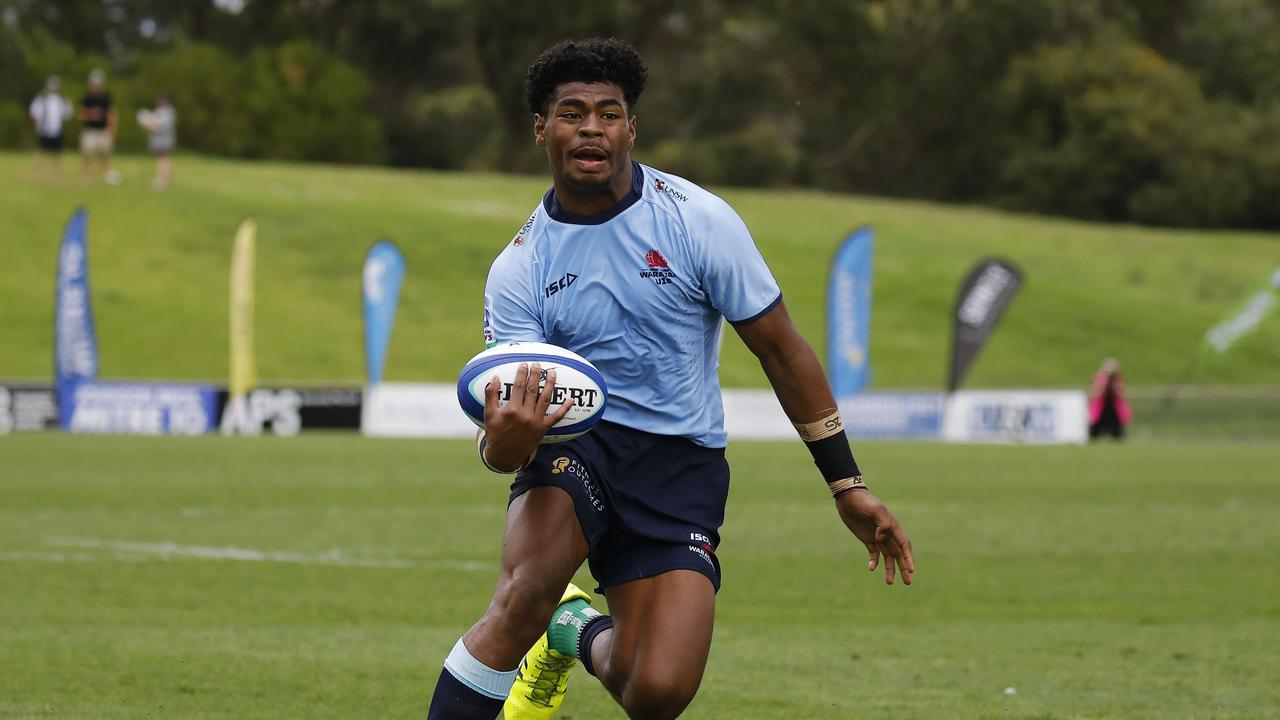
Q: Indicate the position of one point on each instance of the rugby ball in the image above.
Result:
(576, 379)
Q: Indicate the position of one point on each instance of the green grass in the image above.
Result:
(1118, 581)
(160, 261)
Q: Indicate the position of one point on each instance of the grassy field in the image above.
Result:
(160, 261)
(327, 577)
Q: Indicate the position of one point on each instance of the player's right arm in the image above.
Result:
(512, 431)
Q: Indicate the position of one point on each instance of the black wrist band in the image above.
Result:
(833, 457)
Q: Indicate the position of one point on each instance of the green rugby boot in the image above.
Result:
(544, 672)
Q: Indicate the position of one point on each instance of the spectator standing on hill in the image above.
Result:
(1109, 411)
(49, 111)
(160, 125)
(99, 132)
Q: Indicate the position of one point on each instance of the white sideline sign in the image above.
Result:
(414, 410)
(986, 416)
(1044, 417)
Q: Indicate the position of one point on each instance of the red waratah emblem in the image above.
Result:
(518, 241)
(659, 185)
(655, 259)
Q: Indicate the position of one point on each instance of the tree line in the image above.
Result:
(1152, 111)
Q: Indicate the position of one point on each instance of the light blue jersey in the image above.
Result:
(639, 291)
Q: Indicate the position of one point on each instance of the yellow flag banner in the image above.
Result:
(243, 375)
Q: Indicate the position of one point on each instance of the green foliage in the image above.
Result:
(1206, 179)
(15, 126)
(1110, 130)
(1234, 47)
(295, 101)
(26, 60)
(758, 155)
(1092, 125)
(207, 86)
(944, 99)
(454, 128)
(306, 104)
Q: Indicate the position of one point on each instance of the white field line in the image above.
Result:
(171, 550)
(55, 558)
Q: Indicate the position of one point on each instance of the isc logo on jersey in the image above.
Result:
(576, 380)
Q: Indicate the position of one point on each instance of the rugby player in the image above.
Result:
(632, 268)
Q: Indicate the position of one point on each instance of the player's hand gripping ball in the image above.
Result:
(576, 380)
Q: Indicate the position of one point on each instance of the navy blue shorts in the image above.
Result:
(647, 503)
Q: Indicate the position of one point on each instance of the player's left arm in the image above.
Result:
(801, 385)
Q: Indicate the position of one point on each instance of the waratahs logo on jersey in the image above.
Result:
(658, 270)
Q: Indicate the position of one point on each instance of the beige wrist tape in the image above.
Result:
(839, 487)
(820, 429)
(481, 437)
(480, 443)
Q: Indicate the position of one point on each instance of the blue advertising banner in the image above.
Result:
(383, 274)
(849, 314)
(139, 408)
(75, 353)
(893, 415)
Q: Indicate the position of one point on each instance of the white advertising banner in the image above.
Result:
(1000, 416)
(431, 410)
(414, 410)
(756, 415)
(1047, 417)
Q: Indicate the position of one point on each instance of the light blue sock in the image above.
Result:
(477, 675)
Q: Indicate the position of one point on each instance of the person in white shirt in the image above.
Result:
(48, 112)
(160, 125)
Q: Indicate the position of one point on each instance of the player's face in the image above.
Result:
(588, 133)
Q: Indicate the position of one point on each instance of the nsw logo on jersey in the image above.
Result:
(658, 271)
(518, 240)
(665, 188)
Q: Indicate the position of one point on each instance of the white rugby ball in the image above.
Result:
(576, 379)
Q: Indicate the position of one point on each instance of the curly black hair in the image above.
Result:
(604, 60)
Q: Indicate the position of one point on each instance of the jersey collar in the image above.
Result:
(560, 214)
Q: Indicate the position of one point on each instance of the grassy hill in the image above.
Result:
(159, 264)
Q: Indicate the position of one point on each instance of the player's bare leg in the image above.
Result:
(542, 547)
(653, 658)
(164, 172)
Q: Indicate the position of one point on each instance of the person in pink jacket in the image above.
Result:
(1109, 412)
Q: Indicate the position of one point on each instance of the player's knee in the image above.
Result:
(658, 693)
(523, 604)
